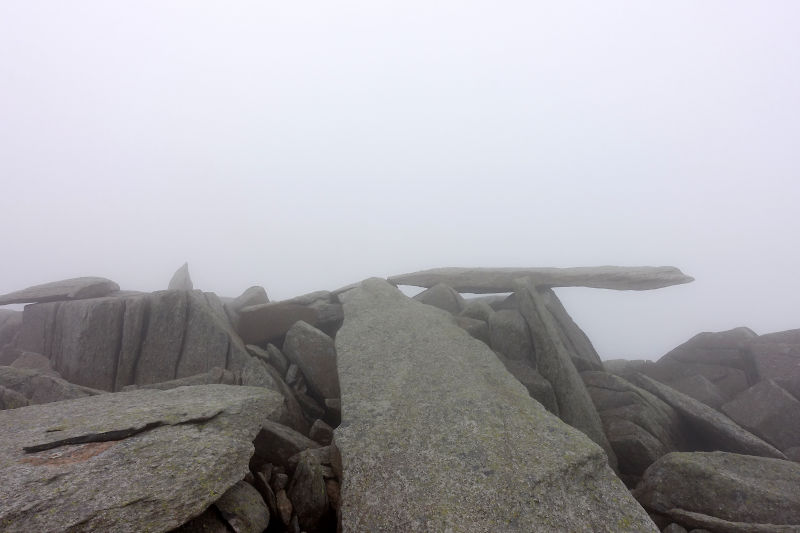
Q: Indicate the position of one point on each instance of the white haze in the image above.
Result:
(307, 145)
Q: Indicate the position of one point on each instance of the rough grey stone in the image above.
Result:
(10, 323)
(275, 443)
(724, 491)
(674, 528)
(181, 280)
(777, 359)
(329, 317)
(554, 362)
(172, 454)
(434, 424)
(478, 309)
(214, 376)
(701, 389)
(307, 492)
(39, 388)
(509, 335)
(314, 353)
(494, 280)
(255, 295)
(11, 399)
(321, 432)
(35, 361)
(538, 387)
(717, 430)
(208, 522)
(476, 328)
(443, 297)
(266, 322)
(768, 411)
(68, 289)
(243, 509)
(256, 373)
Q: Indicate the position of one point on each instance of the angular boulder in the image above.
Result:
(38, 388)
(437, 436)
(581, 350)
(724, 491)
(172, 454)
(776, 356)
(314, 353)
(258, 324)
(443, 297)
(181, 280)
(768, 411)
(243, 509)
(495, 280)
(715, 430)
(68, 289)
(701, 389)
(509, 335)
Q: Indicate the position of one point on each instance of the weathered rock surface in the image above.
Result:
(35, 361)
(768, 411)
(701, 389)
(243, 509)
(717, 431)
(476, 328)
(10, 322)
(581, 350)
(214, 376)
(39, 388)
(724, 491)
(314, 353)
(554, 363)
(181, 280)
(307, 492)
(266, 322)
(509, 335)
(776, 356)
(640, 427)
(11, 399)
(172, 454)
(256, 373)
(434, 426)
(538, 387)
(108, 343)
(68, 289)
(275, 443)
(494, 280)
(443, 297)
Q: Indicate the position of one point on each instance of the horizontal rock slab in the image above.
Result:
(68, 289)
(493, 280)
(258, 324)
(724, 491)
(144, 460)
(437, 436)
(715, 429)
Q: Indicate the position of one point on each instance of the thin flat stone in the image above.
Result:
(493, 280)
(68, 289)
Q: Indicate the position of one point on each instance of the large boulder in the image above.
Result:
(437, 436)
(701, 389)
(538, 387)
(768, 411)
(143, 460)
(314, 353)
(38, 387)
(243, 509)
(712, 429)
(640, 427)
(721, 357)
(724, 492)
(109, 343)
(68, 289)
(262, 323)
(496, 280)
(509, 335)
(554, 362)
(443, 297)
(776, 356)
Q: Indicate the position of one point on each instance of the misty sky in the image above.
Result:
(307, 145)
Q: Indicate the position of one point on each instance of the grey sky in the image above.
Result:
(306, 145)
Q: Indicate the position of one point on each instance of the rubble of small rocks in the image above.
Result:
(362, 409)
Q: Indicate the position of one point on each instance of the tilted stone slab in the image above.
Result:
(555, 362)
(68, 289)
(144, 460)
(492, 280)
(768, 411)
(437, 436)
(716, 429)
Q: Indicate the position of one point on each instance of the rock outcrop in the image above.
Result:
(38, 388)
(428, 411)
(495, 280)
(768, 411)
(172, 454)
(181, 280)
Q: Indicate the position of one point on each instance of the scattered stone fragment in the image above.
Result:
(276, 443)
(243, 509)
(284, 506)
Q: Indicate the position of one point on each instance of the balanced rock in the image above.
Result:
(172, 454)
(724, 492)
(495, 280)
(437, 436)
(68, 289)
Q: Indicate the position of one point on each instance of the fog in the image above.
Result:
(307, 145)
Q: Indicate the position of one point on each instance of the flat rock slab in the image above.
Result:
(68, 289)
(437, 436)
(144, 460)
(492, 280)
(724, 491)
(712, 426)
